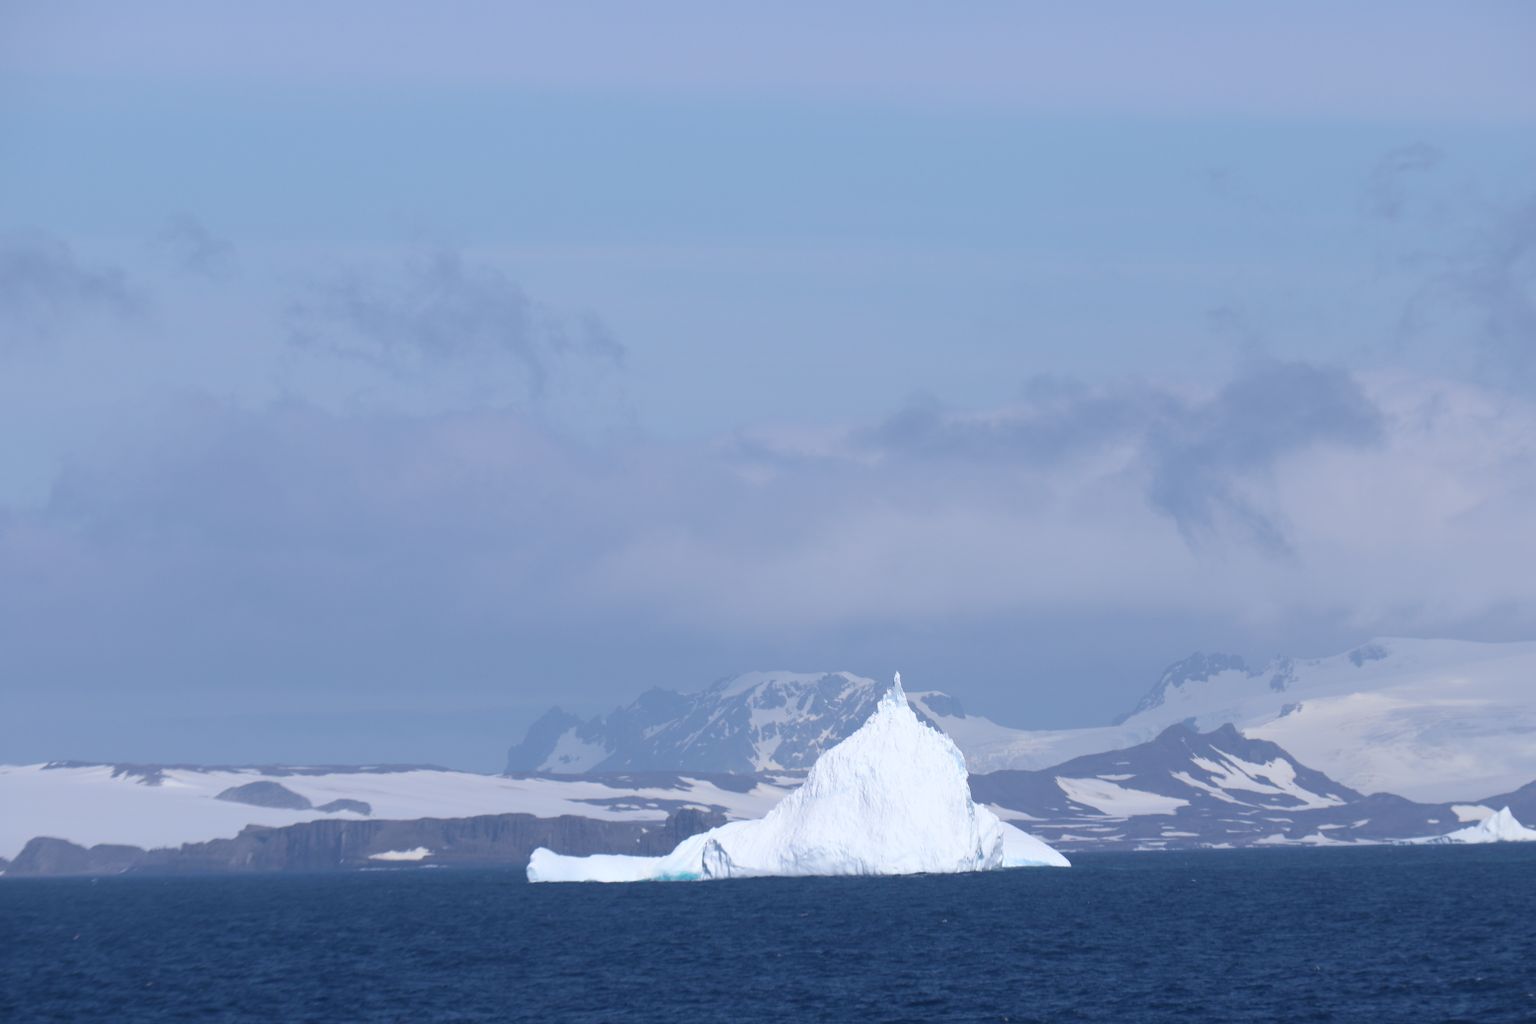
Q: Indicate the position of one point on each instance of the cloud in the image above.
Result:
(1058, 418)
(1472, 257)
(443, 310)
(1482, 295)
(1367, 488)
(479, 552)
(1195, 454)
(44, 287)
(1498, 279)
(1199, 457)
(195, 249)
(292, 519)
(1387, 186)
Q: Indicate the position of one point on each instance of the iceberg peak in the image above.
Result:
(1503, 826)
(1500, 827)
(893, 798)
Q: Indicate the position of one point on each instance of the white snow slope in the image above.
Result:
(1501, 827)
(1431, 720)
(891, 799)
(90, 804)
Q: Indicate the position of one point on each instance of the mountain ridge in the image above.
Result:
(1428, 719)
(751, 722)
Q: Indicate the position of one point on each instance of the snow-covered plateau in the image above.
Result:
(891, 799)
(153, 807)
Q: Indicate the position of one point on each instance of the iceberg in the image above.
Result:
(1502, 827)
(891, 799)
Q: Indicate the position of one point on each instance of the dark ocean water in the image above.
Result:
(1380, 935)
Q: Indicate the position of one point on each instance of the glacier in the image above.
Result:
(893, 798)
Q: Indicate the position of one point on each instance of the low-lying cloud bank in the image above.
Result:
(1402, 504)
(215, 564)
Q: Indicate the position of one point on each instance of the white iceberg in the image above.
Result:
(891, 799)
(1502, 827)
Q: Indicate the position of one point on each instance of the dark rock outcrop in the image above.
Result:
(48, 856)
(356, 806)
(266, 794)
(495, 840)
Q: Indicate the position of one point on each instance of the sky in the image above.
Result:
(375, 376)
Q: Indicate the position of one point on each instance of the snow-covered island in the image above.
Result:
(893, 798)
(642, 780)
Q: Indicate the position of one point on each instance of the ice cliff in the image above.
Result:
(891, 799)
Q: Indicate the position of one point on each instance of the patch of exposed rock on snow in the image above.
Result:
(891, 799)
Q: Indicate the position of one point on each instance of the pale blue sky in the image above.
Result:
(363, 367)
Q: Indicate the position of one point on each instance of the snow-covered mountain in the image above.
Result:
(1181, 789)
(758, 721)
(1220, 788)
(1219, 770)
(891, 799)
(1440, 722)
(1427, 719)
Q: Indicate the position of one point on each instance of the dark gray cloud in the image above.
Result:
(44, 287)
(195, 249)
(1197, 456)
(1194, 453)
(445, 310)
(1059, 418)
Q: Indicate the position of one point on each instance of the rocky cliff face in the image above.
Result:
(497, 840)
(48, 856)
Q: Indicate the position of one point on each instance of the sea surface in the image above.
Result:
(1379, 935)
